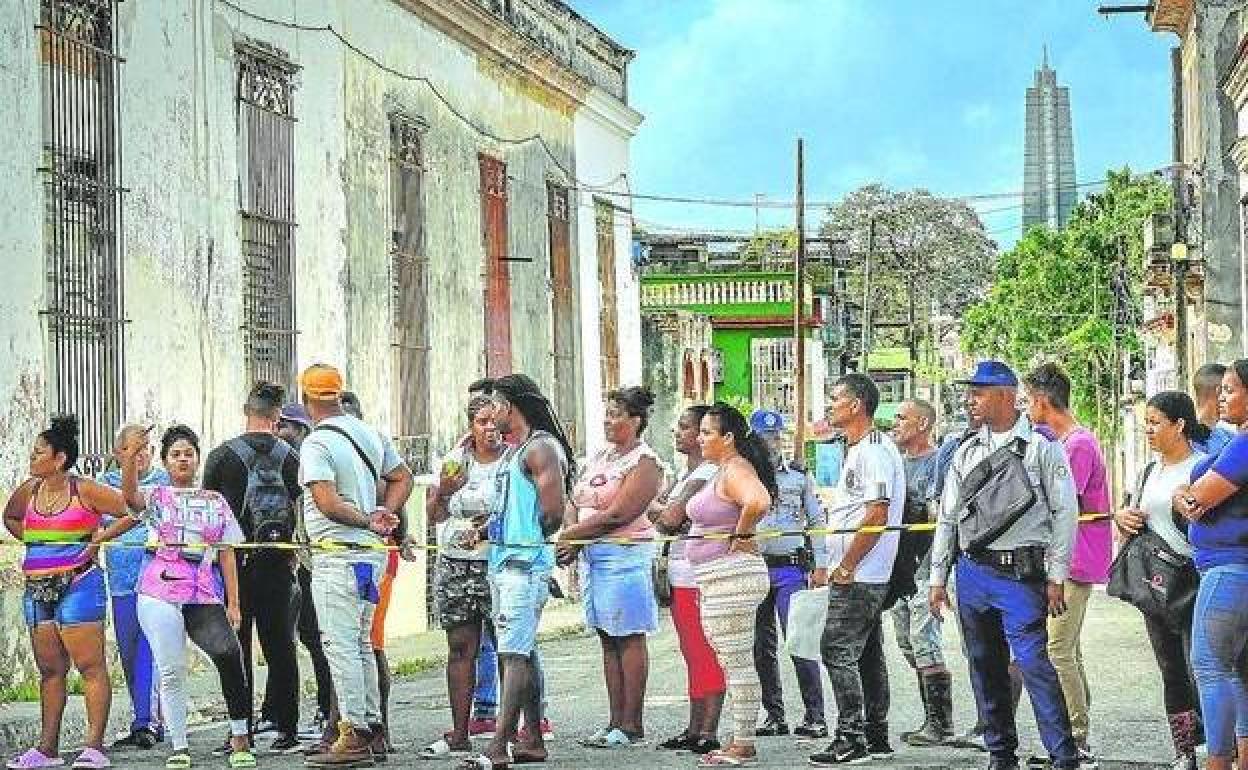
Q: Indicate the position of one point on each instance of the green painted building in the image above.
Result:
(751, 311)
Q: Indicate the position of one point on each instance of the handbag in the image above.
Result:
(50, 588)
(661, 577)
(1154, 578)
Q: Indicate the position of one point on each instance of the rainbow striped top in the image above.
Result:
(57, 542)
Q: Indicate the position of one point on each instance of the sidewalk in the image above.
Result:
(19, 722)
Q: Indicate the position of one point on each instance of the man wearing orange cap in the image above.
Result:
(343, 464)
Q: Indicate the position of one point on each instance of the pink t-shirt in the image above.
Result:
(600, 481)
(1093, 539)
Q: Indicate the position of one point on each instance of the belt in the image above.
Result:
(775, 560)
(1000, 560)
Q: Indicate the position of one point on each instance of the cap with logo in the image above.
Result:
(766, 421)
(989, 374)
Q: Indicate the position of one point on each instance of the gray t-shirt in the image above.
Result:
(328, 456)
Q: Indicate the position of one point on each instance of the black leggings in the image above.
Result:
(1173, 653)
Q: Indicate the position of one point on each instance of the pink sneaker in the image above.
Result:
(548, 732)
(482, 728)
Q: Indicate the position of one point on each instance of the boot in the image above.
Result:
(352, 749)
(939, 726)
(927, 713)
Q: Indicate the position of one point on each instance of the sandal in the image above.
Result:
(178, 760)
(615, 738)
(242, 759)
(528, 757)
(34, 759)
(442, 749)
(480, 762)
(91, 759)
(725, 758)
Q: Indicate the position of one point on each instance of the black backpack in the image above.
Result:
(268, 514)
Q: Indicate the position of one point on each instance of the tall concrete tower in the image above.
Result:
(1049, 192)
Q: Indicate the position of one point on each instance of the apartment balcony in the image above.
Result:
(736, 292)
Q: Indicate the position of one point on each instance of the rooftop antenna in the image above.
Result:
(1045, 62)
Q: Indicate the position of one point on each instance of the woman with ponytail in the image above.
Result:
(59, 516)
(732, 576)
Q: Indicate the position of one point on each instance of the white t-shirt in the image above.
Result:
(328, 456)
(873, 471)
(1156, 500)
(680, 572)
(474, 500)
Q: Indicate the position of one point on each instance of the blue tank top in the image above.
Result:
(515, 528)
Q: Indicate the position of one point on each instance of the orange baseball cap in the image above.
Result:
(321, 382)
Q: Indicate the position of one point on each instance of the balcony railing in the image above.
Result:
(657, 295)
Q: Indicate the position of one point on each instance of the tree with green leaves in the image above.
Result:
(1072, 295)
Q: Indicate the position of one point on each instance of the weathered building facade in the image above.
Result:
(204, 193)
(1196, 308)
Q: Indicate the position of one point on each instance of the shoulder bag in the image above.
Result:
(1151, 576)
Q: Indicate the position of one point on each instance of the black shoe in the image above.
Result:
(842, 751)
(702, 746)
(811, 729)
(285, 743)
(677, 743)
(879, 748)
(1002, 763)
(140, 738)
(771, 727)
(264, 726)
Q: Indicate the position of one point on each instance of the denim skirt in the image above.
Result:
(618, 589)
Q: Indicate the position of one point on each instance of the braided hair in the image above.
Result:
(748, 443)
(525, 395)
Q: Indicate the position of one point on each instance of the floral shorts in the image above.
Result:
(461, 592)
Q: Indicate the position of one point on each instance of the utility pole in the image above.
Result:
(866, 295)
(758, 198)
(799, 302)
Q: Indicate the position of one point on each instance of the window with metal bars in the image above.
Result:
(563, 318)
(604, 220)
(80, 71)
(266, 127)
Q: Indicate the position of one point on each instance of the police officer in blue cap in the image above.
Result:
(793, 561)
(1007, 527)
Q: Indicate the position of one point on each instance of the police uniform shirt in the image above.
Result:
(796, 508)
(1050, 522)
(873, 472)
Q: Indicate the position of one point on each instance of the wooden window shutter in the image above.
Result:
(497, 274)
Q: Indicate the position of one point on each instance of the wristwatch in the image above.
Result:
(843, 573)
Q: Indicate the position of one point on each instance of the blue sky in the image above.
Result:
(909, 93)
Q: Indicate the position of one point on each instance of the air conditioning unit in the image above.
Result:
(1159, 232)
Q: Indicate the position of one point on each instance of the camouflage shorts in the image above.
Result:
(461, 592)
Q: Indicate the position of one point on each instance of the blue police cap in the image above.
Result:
(766, 421)
(991, 373)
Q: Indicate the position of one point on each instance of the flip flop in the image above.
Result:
(480, 762)
(527, 757)
(178, 760)
(91, 759)
(442, 749)
(34, 759)
(615, 738)
(725, 759)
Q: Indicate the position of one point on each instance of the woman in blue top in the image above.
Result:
(1217, 505)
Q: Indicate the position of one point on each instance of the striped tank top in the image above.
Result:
(57, 542)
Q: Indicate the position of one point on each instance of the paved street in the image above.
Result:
(1129, 729)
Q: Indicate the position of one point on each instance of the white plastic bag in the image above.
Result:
(808, 614)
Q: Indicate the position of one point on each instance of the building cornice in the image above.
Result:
(471, 23)
(1172, 16)
(609, 111)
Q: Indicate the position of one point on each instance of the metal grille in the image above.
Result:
(267, 190)
(604, 221)
(409, 275)
(562, 296)
(80, 73)
(772, 364)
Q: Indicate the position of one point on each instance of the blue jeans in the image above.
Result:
(785, 581)
(136, 661)
(1001, 615)
(485, 696)
(86, 601)
(1219, 644)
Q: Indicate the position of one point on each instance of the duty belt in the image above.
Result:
(776, 560)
